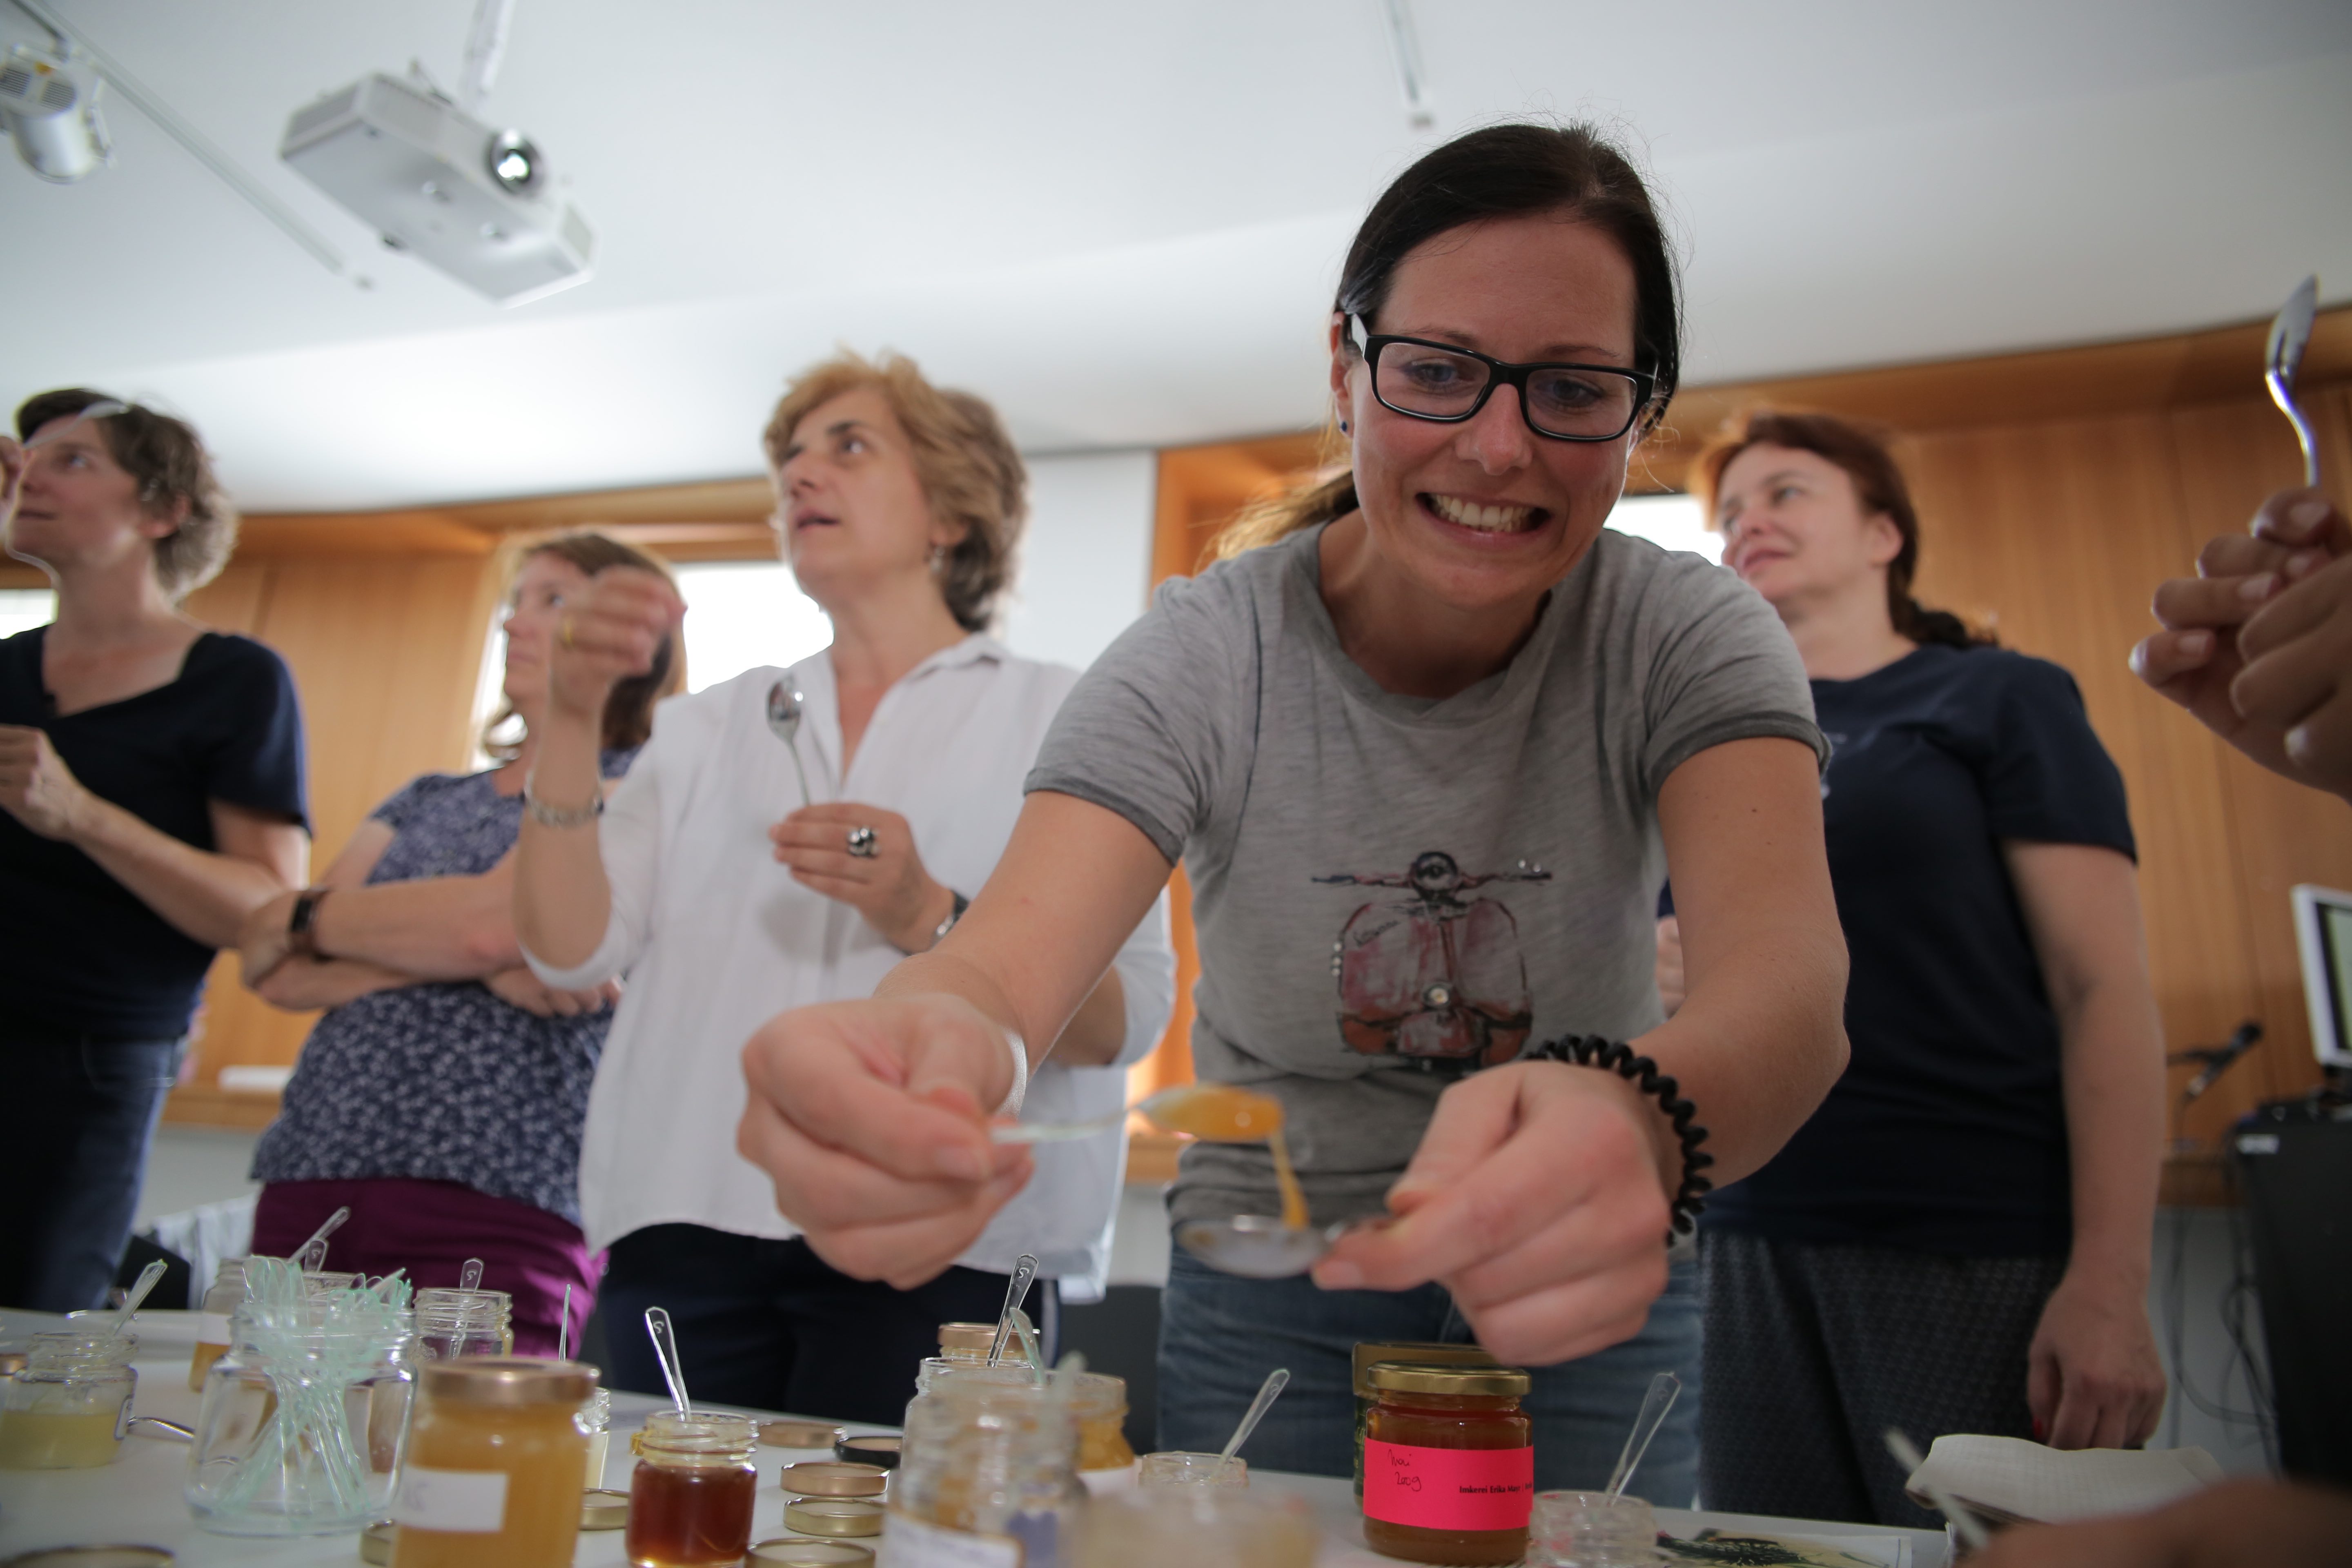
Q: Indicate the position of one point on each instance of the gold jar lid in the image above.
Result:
(509, 1380)
(798, 1552)
(1369, 1353)
(832, 1478)
(966, 1338)
(375, 1543)
(833, 1516)
(1492, 1381)
(799, 1434)
(604, 1510)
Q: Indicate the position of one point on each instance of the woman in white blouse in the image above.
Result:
(726, 896)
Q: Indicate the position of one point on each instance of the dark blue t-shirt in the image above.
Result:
(79, 952)
(1947, 1132)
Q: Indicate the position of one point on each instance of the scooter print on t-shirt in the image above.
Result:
(1434, 974)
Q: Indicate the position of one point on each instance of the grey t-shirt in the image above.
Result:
(1381, 882)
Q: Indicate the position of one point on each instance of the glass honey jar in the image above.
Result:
(1449, 1464)
(1105, 1457)
(69, 1405)
(491, 1478)
(451, 1322)
(691, 1496)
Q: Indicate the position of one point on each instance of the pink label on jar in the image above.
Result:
(1449, 1489)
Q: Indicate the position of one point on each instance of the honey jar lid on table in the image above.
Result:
(604, 1510)
(796, 1434)
(833, 1516)
(833, 1479)
(799, 1551)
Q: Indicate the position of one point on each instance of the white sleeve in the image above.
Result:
(629, 836)
(1146, 967)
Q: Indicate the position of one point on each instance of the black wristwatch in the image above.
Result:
(303, 922)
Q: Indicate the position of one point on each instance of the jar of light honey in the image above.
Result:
(1449, 1464)
(988, 1476)
(690, 1500)
(496, 1453)
(1106, 1459)
(966, 1341)
(68, 1407)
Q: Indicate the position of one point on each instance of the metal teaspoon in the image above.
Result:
(785, 706)
(2282, 357)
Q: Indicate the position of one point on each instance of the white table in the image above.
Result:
(137, 1500)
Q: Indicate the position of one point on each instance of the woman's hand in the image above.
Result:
(610, 633)
(2233, 1525)
(889, 887)
(2257, 645)
(1537, 1198)
(522, 988)
(35, 786)
(872, 1120)
(2093, 1378)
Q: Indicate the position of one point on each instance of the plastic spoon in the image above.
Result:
(1154, 1107)
(147, 1278)
(469, 1278)
(564, 1328)
(785, 709)
(666, 1351)
(1266, 1391)
(1664, 1389)
(1024, 1269)
(105, 409)
(1973, 1534)
(318, 1242)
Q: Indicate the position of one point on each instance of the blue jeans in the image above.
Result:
(1219, 1335)
(83, 1113)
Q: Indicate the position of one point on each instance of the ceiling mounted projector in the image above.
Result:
(50, 105)
(476, 203)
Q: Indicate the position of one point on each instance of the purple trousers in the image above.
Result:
(430, 1228)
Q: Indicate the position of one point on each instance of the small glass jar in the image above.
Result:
(988, 1466)
(1175, 1467)
(1189, 1526)
(494, 1456)
(1369, 1353)
(691, 1497)
(1592, 1529)
(69, 1405)
(596, 1420)
(1101, 1402)
(304, 1439)
(451, 1322)
(1449, 1464)
(225, 1296)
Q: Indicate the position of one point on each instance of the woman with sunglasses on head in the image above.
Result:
(441, 1095)
(1427, 741)
(151, 796)
(787, 838)
(1958, 1240)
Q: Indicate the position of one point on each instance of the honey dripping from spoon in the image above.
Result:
(1220, 1113)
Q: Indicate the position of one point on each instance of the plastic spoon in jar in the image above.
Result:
(1664, 1389)
(469, 1278)
(1024, 1269)
(147, 1278)
(564, 1328)
(1272, 1385)
(318, 1243)
(666, 1351)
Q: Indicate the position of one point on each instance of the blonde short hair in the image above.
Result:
(970, 470)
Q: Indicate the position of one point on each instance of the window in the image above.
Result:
(741, 615)
(22, 609)
(1670, 521)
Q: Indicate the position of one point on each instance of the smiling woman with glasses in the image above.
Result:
(1426, 743)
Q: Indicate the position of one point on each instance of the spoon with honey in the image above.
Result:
(1258, 1246)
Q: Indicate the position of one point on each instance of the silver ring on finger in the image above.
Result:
(862, 844)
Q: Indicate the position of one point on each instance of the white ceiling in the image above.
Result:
(1122, 222)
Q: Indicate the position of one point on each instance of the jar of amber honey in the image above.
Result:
(1106, 1459)
(495, 1453)
(690, 1500)
(966, 1341)
(1449, 1464)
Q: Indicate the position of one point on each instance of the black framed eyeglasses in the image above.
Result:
(1446, 383)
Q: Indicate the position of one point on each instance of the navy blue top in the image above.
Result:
(442, 1080)
(79, 952)
(1947, 1132)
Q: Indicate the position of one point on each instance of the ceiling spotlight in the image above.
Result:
(50, 105)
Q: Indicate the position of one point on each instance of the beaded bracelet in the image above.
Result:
(1614, 1056)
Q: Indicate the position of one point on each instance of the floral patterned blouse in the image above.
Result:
(442, 1080)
